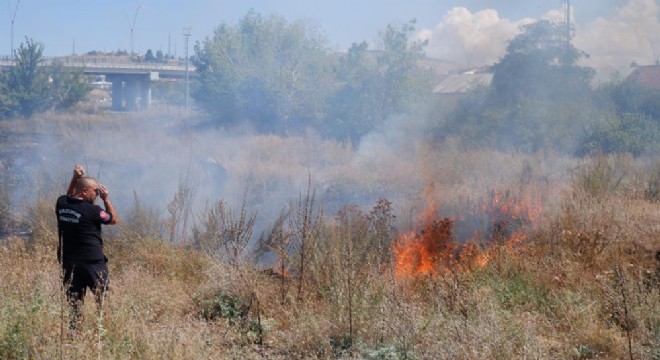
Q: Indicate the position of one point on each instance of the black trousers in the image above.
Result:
(81, 275)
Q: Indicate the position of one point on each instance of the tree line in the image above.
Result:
(30, 87)
(540, 98)
(276, 76)
(284, 77)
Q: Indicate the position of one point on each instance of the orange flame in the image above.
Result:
(434, 249)
(426, 252)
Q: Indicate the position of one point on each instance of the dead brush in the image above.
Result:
(631, 305)
(407, 322)
(277, 240)
(141, 222)
(344, 274)
(652, 191)
(180, 208)
(223, 231)
(587, 230)
(6, 213)
(305, 222)
(599, 176)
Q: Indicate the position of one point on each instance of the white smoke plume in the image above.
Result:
(474, 39)
(631, 34)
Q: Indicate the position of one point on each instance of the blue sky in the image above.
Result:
(105, 25)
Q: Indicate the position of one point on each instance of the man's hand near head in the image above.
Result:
(104, 194)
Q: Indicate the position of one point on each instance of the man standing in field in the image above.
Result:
(80, 249)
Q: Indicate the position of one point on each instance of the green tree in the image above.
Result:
(631, 97)
(7, 102)
(31, 86)
(539, 65)
(159, 56)
(149, 56)
(404, 82)
(377, 84)
(631, 123)
(540, 97)
(28, 81)
(68, 86)
(633, 133)
(264, 71)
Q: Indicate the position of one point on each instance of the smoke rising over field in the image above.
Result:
(629, 34)
(151, 157)
(361, 128)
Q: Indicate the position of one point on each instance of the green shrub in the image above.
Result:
(223, 306)
(341, 344)
(634, 133)
(14, 342)
(236, 310)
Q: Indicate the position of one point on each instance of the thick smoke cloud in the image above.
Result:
(474, 39)
(630, 34)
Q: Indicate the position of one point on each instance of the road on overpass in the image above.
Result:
(131, 81)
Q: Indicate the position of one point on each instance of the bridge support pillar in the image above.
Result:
(131, 92)
(117, 95)
(145, 95)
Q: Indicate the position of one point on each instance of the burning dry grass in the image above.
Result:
(504, 257)
(546, 297)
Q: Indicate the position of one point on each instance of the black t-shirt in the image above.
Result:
(79, 224)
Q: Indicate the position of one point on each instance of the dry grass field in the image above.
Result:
(239, 246)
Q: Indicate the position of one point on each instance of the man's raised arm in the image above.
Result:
(78, 172)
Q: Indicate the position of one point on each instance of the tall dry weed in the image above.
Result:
(180, 209)
(224, 232)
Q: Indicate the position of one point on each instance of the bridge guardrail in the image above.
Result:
(103, 63)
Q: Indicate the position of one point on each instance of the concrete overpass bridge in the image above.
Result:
(131, 81)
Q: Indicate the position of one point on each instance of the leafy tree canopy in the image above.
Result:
(281, 76)
(27, 80)
(375, 84)
(30, 86)
(540, 64)
(539, 98)
(264, 71)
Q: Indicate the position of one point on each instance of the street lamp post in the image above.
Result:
(12, 18)
(186, 35)
(132, 26)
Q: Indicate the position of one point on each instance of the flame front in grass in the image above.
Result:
(510, 216)
(427, 252)
(435, 249)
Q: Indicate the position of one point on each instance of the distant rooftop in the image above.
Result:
(648, 76)
(464, 82)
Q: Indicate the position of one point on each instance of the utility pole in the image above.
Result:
(131, 26)
(568, 29)
(186, 37)
(12, 18)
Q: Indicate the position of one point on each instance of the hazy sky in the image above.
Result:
(614, 32)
